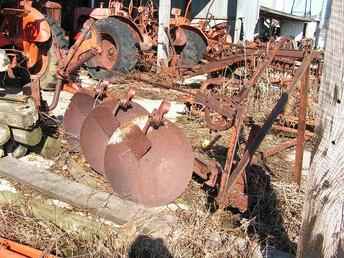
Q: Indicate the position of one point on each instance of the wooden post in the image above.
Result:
(322, 233)
(163, 41)
(301, 128)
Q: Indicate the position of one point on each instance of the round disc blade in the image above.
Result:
(98, 128)
(80, 106)
(160, 176)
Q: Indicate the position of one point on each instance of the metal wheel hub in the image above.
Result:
(108, 57)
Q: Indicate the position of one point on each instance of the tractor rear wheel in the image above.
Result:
(46, 68)
(119, 49)
(194, 49)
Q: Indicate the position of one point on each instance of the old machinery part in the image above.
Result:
(149, 160)
(12, 249)
(46, 69)
(119, 49)
(38, 39)
(261, 133)
(195, 47)
(101, 122)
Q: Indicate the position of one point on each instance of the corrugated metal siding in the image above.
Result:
(292, 29)
(296, 7)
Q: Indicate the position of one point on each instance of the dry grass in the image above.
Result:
(197, 233)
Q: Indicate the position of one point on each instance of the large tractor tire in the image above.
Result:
(46, 68)
(119, 49)
(194, 49)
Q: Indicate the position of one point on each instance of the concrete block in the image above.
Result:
(19, 151)
(51, 148)
(18, 111)
(28, 137)
(5, 134)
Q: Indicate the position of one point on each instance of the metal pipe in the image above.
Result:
(56, 97)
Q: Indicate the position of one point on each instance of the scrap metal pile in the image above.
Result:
(145, 157)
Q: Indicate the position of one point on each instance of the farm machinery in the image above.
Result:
(148, 159)
(31, 40)
(125, 36)
(145, 157)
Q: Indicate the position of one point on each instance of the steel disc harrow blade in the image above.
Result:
(98, 127)
(80, 106)
(153, 171)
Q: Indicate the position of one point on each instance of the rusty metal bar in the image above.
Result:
(232, 145)
(36, 93)
(201, 169)
(287, 129)
(301, 129)
(12, 249)
(73, 66)
(73, 50)
(280, 147)
(219, 65)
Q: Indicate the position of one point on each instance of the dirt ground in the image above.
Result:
(272, 221)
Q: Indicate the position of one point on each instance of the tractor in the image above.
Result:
(31, 40)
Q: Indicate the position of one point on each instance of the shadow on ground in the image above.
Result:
(268, 225)
(148, 247)
(264, 211)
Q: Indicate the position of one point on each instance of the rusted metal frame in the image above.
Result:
(288, 129)
(218, 65)
(83, 58)
(227, 109)
(222, 197)
(227, 186)
(208, 172)
(166, 84)
(214, 66)
(281, 147)
(278, 109)
(301, 128)
(267, 61)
